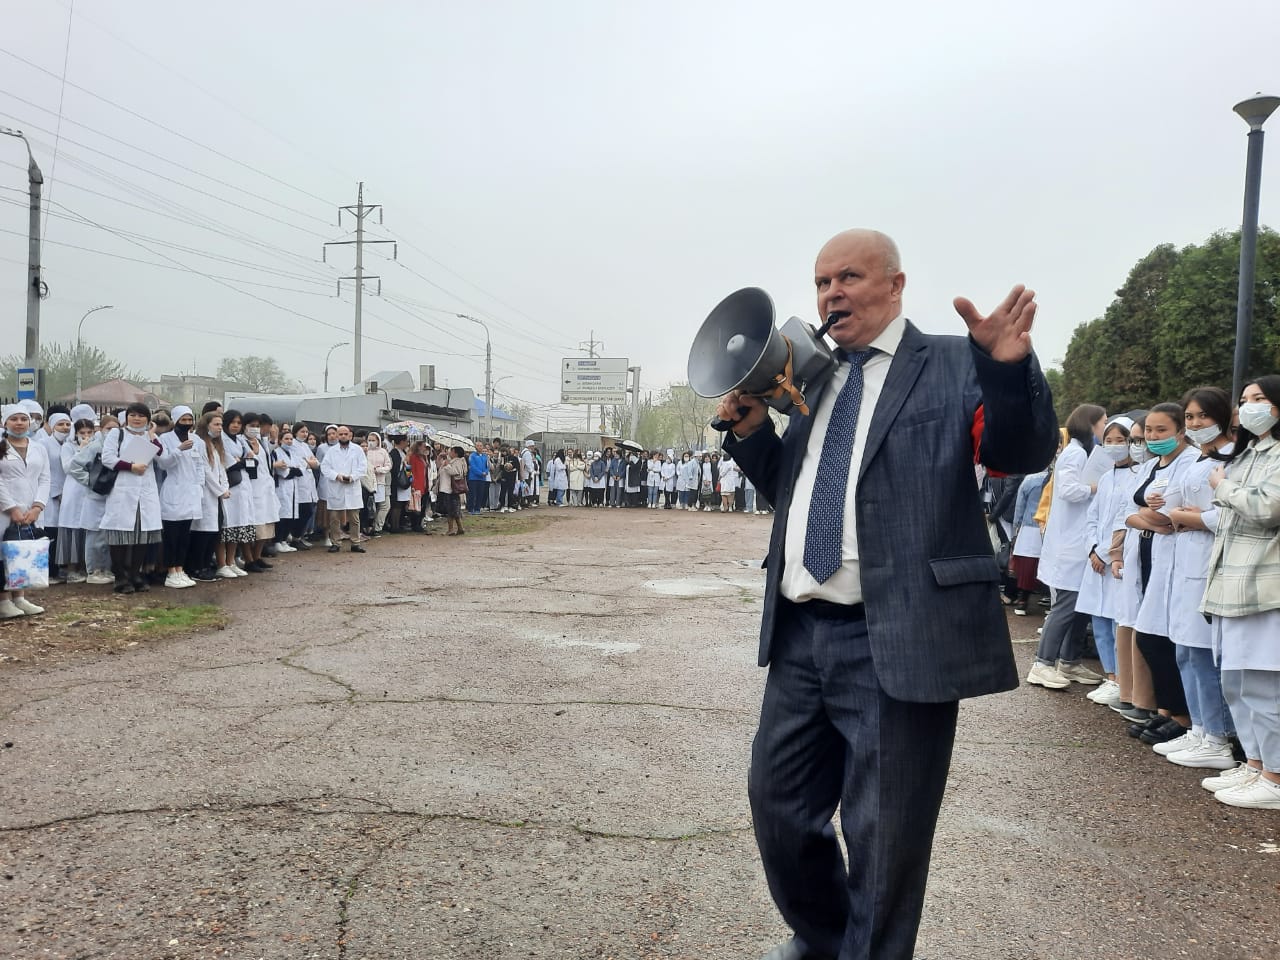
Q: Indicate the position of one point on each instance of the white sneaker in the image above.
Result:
(99, 577)
(1107, 694)
(283, 547)
(1258, 793)
(238, 570)
(225, 573)
(1232, 778)
(26, 606)
(1204, 755)
(76, 576)
(328, 542)
(1079, 673)
(177, 581)
(8, 610)
(1187, 741)
(1045, 676)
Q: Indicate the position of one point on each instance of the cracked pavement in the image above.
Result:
(536, 747)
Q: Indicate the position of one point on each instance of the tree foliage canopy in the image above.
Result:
(263, 374)
(59, 363)
(1172, 327)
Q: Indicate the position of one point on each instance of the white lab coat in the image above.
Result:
(1191, 550)
(1064, 555)
(238, 509)
(266, 508)
(181, 492)
(668, 475)
(74, 492)
(346, 461)
(1153, 610)
(729, 475)
(133, 496)
(24, 483)
(1098, 591)
(213, 484)
(94, 504)
(52, 516)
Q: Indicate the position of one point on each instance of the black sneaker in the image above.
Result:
(204, 576)
(334, 549)
(1163, 733)
(300, 545)
(1136, 730)
(356, 548)
(263, 565)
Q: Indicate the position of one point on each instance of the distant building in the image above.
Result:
(113, 395)
(194, 391)
(504, 426)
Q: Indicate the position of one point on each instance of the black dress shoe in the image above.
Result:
(356, 548)
(334, 549)
(1163, 733)
(794, 949)
(1136, 730)
(140, 585)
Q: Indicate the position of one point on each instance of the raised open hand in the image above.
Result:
(1006, 333)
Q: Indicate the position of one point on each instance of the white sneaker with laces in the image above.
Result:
(99, 577)
(1232, 778)
(1204, 755)
(1257, 793)
(1187, 741)
(238, 570)
(1079, 673)
(8, 610)
(283, 547)
(1046, 676)
(26, 606)
(225, 573)
(175, 581)
(76, 576)
(1106, 694)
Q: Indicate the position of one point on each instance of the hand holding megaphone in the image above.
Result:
(741, 412)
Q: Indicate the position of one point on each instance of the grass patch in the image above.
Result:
(200, 616)
(503, 524)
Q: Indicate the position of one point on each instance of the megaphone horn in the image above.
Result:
(739, 348)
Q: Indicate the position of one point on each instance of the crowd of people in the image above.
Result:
(1158, 531)
(652, 479)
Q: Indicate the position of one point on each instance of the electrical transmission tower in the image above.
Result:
(360, 210)
(589, 348)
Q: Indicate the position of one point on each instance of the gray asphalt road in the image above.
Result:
(535, 747)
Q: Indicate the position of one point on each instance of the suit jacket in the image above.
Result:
(929, 578)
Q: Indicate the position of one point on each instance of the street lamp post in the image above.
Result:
(80, 346)
(493, 395)
(488, 372)
(344, 343)
(36, 180)
(1255, 112)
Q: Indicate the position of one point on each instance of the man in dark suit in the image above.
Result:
(882, 605)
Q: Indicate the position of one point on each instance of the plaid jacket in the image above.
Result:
(1244, 568)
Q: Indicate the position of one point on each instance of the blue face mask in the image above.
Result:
(17, 434)
(1164, 447)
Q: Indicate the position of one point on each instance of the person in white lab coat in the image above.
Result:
(303, 454)
(56, 430)
(71, 538)
(181, 493)
(1207, 745)
(1064, 555)
(206, 545)
(1242, 594)
(265, 508)
(1149, 515)
(730, 477)
(97, 555)
(131, 519)
(669, 480)
(343, 467)
(240, 526)
(24, 491)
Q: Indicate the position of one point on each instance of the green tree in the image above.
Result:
(1053, 376)
(1197, 333)
(262, 374)
(60, 362)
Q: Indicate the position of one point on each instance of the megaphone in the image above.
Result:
(739, 348)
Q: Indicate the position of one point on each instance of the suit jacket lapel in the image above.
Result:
(905, 369)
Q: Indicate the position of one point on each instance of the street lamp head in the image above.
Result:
(1256, 110)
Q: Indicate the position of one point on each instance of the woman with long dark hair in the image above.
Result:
(1242, 594)
(206, 545)
(131, 519)
(239, 531)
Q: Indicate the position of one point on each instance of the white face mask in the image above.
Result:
(133, 429)
(215, 432)
(1257, 418)
(60, 437)
(253, 432)
(1138, 451)
(1116, 451)
(1204, 434)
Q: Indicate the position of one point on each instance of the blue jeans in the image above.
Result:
(749, 494)
(1203, 684)
(653, 496)
(1104, 638)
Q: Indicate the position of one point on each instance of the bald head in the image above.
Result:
(859, 281)
(872, 241)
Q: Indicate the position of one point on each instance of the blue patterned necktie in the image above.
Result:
(824, 533)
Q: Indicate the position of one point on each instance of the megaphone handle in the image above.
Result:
(724, 426)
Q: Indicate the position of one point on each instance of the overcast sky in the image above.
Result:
(557, 168)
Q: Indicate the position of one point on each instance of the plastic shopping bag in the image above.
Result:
(26, 562)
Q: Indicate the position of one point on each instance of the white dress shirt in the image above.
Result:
(845, 585)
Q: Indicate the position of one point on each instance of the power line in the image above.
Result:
(62, 93)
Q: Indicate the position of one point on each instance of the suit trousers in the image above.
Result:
(829, 735)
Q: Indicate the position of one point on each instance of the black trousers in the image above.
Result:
(1166, 678)
(830, 735)
(175, 535)
(200, 551)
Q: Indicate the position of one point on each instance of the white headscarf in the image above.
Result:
(32, 407)
(82, 411)
(57, 418)
(180, 411)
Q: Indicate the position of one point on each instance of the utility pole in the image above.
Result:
(359, 211)
(635, 399)
(590, 347)
(35, 286)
